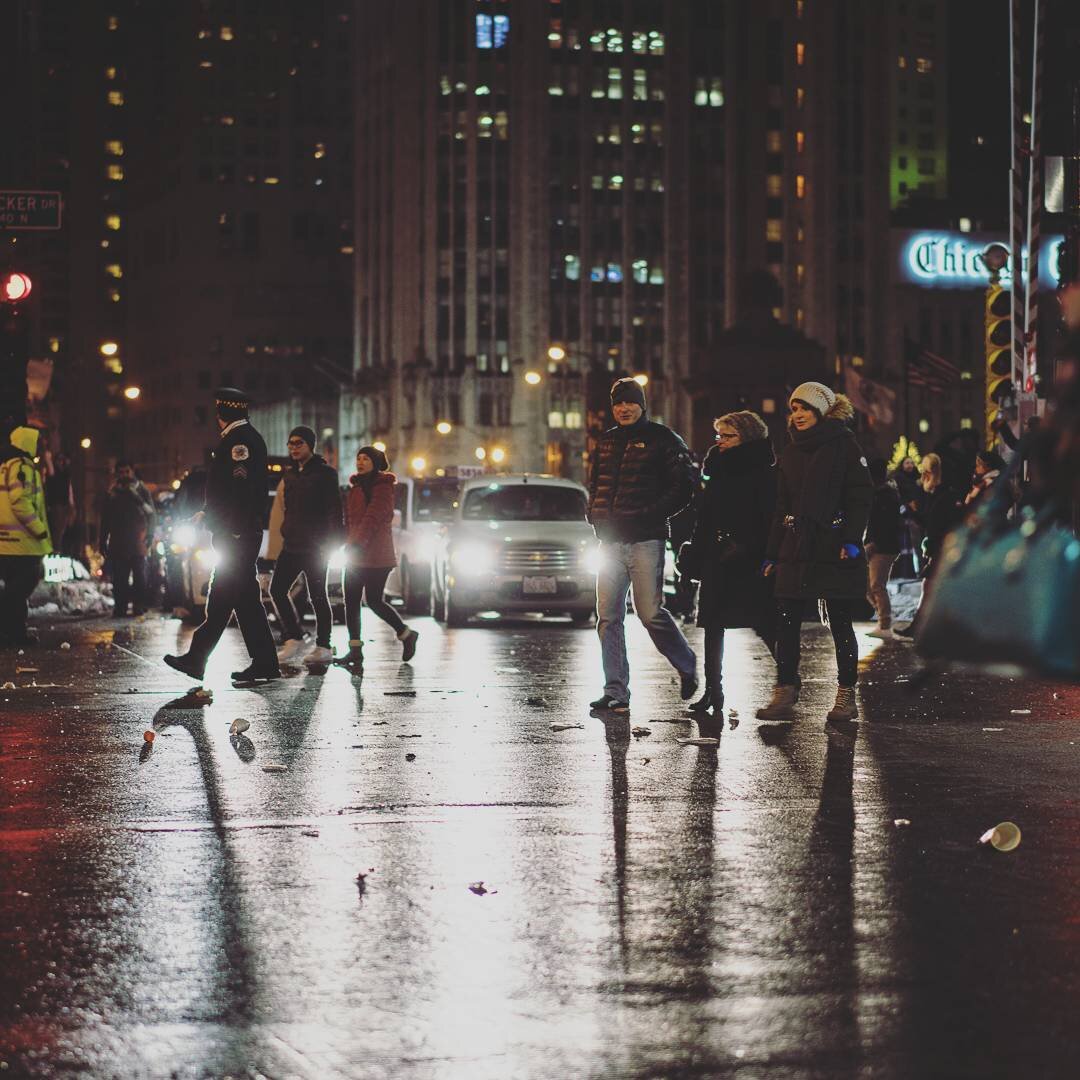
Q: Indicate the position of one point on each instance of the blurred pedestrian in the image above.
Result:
(369, 553)
(60, 503)
(939, 512)
(956, 455)
(735, 511)
(640, 476)
(815, 548)
(234, 509)
(989, 465)
(311, 530)
(882, 545)
(126, 525)
(24, 531)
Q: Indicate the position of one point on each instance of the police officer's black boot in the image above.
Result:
(187, 664)
(265, 671)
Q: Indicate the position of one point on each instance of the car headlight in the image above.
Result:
(184, 536)
(208, 557)
(336, 560)
(593, 560)
(426, 548)
(473, 558)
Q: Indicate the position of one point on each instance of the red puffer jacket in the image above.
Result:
(368, 522)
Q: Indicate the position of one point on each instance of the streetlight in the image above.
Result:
(379, 445)
(418, 464)
(498, 455)
(533, 378)
(444, 427)
(642, 380)
(480, 453)
(132, 393)
(85, 442)
(109, 348)
(556, 353)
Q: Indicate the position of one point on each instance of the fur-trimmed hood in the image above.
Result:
(841, 410)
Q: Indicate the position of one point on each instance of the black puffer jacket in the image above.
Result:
(640, 476)
(884, 528)
(822, 503)
(734, 515)
(313, 517)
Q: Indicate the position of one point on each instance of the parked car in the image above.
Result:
(517, 543)
(423, 505)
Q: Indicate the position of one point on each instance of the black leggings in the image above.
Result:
(789, 632)
(765, 628)
(372, 581)
(288, 568)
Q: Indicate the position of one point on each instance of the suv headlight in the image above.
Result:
(593, 560)
(473, 558)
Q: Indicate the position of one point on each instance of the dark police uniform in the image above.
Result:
(236, 488)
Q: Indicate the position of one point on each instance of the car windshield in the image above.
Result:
(434, 499)
(524, 502)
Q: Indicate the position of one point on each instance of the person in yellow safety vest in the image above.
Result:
(24, 532)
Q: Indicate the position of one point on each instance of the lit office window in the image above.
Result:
(115, 97)
(114, 147)
(112, 221)
(114, 171)
(492, 31)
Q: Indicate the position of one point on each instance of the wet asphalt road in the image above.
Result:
(647, 909)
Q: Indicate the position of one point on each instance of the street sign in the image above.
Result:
(30, 209)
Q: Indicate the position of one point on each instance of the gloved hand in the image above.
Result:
(767, 568)
(849, 551)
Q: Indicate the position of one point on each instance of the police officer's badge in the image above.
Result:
(240, 453)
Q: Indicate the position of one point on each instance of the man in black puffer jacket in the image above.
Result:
(640, 476)
(312, 528)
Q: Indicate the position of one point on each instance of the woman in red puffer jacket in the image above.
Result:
(369, 514)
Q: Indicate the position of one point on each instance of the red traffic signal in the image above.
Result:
(15, 287)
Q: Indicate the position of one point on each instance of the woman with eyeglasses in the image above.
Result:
(815, 549)
(735, 511)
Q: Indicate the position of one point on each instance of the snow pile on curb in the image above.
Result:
(904, 597)
(71, 598)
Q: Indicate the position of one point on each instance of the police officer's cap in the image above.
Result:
(232, 404)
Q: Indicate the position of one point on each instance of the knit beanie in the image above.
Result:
(306, 434)
(628, 390)
(817, 395)
(378, 458)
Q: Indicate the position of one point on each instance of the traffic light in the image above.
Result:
(15, 287)
(999, 387)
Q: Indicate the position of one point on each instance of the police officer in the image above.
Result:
(235, 503)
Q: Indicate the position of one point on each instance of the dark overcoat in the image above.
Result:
(807, 535)
(735, 510)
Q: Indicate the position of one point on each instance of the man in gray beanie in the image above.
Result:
(310, 532)
(640, 475)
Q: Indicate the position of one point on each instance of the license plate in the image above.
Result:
(536, 585)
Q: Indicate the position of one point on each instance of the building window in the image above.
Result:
(110, 74)
(800, 187)
(573, 268)
(656, 43)
(555, 419)
(114, 171)
(924, 66)
(774, 186)
(800, 97)
(901, 62)
(774, 229)
(492, 31)
(112, 221)
(114, 270)
(112, 23)
(800, 141)
(701, 94)
(115, 97)
(774, 142)
(641, 85)
(614, 88)
(926, 166)
(716, 93)
(800, 53)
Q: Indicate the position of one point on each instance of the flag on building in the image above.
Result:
(869, 397)
(926, 369)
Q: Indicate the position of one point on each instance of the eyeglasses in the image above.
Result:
(723, 436)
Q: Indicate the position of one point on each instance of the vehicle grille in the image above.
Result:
(538, 559)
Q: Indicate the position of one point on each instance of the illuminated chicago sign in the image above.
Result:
(940, 260)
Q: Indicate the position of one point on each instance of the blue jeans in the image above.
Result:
(640, 566)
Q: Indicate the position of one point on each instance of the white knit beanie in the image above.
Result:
(817, 395)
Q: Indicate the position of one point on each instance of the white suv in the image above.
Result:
(517, 544)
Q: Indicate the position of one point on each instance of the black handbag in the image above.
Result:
(1006, 591)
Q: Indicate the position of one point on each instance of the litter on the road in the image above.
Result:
(410, 757)
(399, 693)
(566, 727)
(993, 729)
(65, 645)
(478, 888)
(410, 736)
(640, 732)
(1020, 712)
(275, 768)
(239, 725)
(26, 670)
(698, 742)
(199, 693)
(1003, 837)
(535, 700)
(149, 735)
(900, 822)
(309, 832)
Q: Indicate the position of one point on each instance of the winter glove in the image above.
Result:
(849, 551)
(687, 562)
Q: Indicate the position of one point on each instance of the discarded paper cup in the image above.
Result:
(149, 735)
(1003, 837)
(239, 725)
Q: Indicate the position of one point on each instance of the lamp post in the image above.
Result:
(483, 454)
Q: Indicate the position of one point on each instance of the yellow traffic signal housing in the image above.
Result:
(998, 326)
